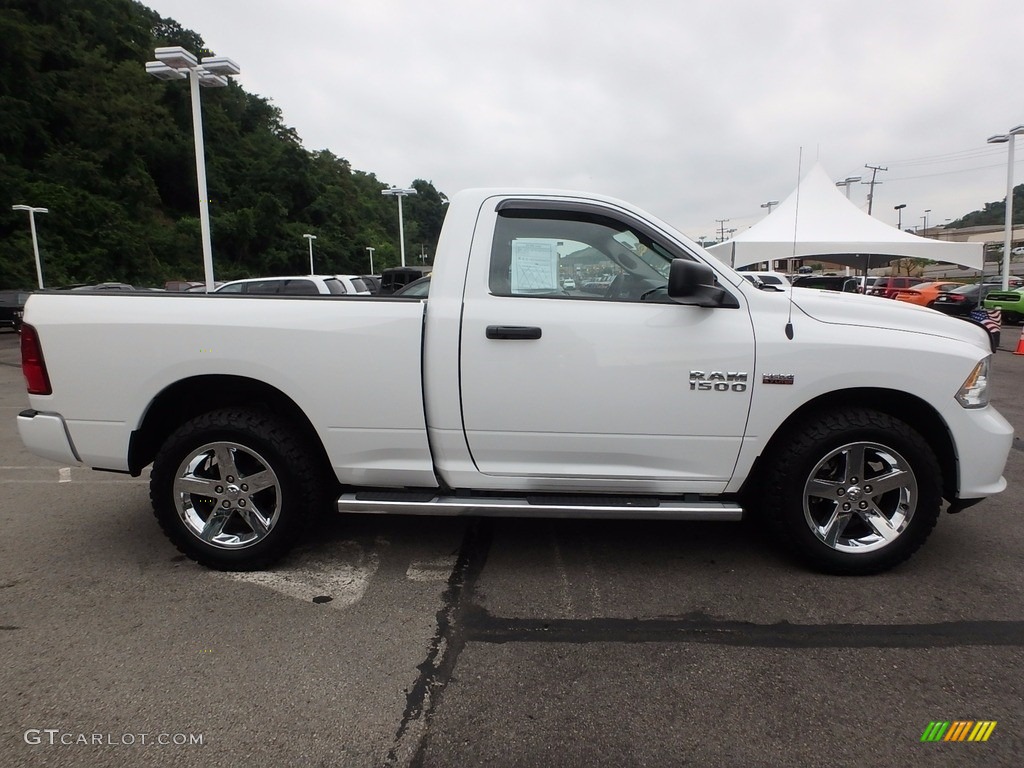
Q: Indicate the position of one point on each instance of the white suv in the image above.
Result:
(298, 285)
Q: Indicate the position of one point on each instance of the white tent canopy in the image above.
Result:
(817, 220)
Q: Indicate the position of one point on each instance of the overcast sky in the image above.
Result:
(693, 110)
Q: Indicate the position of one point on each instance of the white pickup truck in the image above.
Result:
(575, 357)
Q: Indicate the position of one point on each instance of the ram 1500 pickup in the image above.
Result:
(575, 357)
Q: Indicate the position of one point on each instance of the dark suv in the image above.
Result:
(889, 286)
(827, 283)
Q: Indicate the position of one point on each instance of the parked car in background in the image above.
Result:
(827, 283)
(418, 288)
(372, 282)
(925, 293)
(960, 301)
(183, 285)
(298, 285)
(354, 284)
(777, 279)
(113, 287)
(888, 286)
(1014, 281)
(1010, 302)
(866, 282)
(12, 306)
(394, 278)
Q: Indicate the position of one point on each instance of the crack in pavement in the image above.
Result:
(443, 651)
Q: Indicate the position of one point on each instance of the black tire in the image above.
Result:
(853, 492)
(251, 468)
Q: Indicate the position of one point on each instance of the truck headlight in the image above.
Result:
(974, 392)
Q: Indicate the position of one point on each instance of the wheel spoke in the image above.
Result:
(855, 462)
(260, 481)
(215, 524)
(893, 481)
(226, 462)
(879, 523)
(195, 485)
(255, 520)
(834, 528)
(824, 489)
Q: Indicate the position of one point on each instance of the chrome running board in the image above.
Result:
(634, 508)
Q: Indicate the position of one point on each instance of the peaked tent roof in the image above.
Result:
(827, 224)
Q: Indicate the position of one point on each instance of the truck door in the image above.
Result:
(576, 370)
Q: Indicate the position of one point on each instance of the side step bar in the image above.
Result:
(633, 508)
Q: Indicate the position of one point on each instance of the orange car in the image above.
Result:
(924, 293)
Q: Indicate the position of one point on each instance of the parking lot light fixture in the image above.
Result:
(32, 211)
(371, 250)
(1009, 139)
(847, 182)
(310, 238)
(400, 193)
(176, 63)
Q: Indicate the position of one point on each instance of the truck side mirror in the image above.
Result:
(693, 283)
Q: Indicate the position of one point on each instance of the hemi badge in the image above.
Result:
(777, 378)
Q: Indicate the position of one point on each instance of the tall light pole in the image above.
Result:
(400, 193)
(926, 212)
(371, 250)
(899, 215)
(175, 63)
(32, 211)
(1007, 138)
(769, 205)
(311, 238)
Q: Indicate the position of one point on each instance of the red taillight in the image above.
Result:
(32, 365)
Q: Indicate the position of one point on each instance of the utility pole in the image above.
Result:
(721, 229)
(871, 192)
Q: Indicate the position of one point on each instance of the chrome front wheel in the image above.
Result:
(860, 497)
(852, 490)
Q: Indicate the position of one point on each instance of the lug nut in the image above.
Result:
(220, 489)
(241, 502)
(225, 503)
(863, 505)
(230, 479)
(846, 507)
(841, 492)
(245, 487)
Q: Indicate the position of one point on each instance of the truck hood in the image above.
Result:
(875, 312)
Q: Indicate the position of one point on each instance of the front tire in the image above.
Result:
(854, 492)
(234, 489)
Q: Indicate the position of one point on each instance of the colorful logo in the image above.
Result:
(959, 730)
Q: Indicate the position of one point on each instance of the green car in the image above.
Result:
(1010, 302)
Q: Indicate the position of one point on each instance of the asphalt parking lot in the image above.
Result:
(394, 641)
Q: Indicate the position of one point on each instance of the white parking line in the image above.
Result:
(65, 475)
(437, 569)
(338, 579)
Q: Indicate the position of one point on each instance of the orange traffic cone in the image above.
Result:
(1020, 343)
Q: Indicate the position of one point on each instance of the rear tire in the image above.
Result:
(853, 492)
(234, 489)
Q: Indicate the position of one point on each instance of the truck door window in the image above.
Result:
(578, 255)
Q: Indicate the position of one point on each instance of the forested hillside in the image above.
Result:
(108, 149)
(994, 213)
